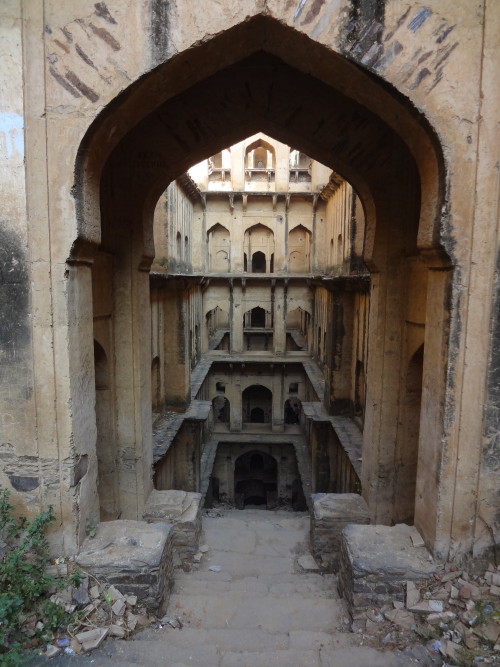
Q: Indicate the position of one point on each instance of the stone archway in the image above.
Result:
(379, 144)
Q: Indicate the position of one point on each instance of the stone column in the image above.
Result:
(236, 315)
(278, 399)
(279, 319)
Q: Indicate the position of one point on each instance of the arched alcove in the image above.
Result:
(219, 247)
(221, 409)
(364, 130)
(259, 247)
(257, 403)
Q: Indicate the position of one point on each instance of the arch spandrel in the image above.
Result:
(146, 104)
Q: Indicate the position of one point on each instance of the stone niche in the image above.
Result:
(134, 556)
(181, 509)
(332, 512)
(376, 562)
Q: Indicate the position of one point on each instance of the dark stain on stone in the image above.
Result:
(423, 74)
(67, 34)
(102, 12)
(84, 56)
(80, 469)
(82, 87)
(444, 34)
(14, 295)
(492, 413)
(392, 52)
(314, 10)
(160, 28)
(21, 483)
(61, 45)
(445, 54)
(62, 81)
(48, 30)
(364, 30)
(437, 79)
(106, 36)
(419, 19)
(424, 57)
(398, 25)
(289, 5)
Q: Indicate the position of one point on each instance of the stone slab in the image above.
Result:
(376, 563)
(181, 509)
(332, 512)
(134, 556)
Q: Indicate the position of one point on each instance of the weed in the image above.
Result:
(27, 615)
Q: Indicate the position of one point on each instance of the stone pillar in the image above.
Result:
(279, 319)
(235, 416)
(278, 422)
(236, 316)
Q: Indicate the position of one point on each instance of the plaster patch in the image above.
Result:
(11, 133)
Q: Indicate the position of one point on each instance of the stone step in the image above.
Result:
(224, 639)
(241, 611)
(254, 587)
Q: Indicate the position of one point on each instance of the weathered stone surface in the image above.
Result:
(182, 510)
(133, 555)
(331, 513)
(376, 563)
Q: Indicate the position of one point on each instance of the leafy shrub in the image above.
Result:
(26, 612)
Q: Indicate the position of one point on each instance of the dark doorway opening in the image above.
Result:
(255, 480)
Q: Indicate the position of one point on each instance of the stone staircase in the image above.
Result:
(256, 607)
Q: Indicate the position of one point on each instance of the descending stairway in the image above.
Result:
(259, 609)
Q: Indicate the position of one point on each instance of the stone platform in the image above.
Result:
(181, 509)
(332, 512)
(377, 561)
(134, 556)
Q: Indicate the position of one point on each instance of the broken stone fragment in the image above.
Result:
(52, 651)
(118, 607)
(117, 631)
(490, 632)
(412, 594)
(131, 600)
(428, 606)
(374, 615)
(80, 595)
(91, 639)
(115, 593)
(94, 592)
(400, 617)
(451, 649)
(204, 548)
(495, 590)
(307, 562)
(131, 620)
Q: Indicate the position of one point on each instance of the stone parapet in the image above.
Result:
(377, 561)
(181, 509)
(332, 512)
(134, 556)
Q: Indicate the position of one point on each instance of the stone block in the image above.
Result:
(332, 512)
(135, 556)
(181, 509)
(376, 562)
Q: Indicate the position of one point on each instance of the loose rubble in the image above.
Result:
(456, 615)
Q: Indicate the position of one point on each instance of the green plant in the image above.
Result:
(26, 612)
(91, 526)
